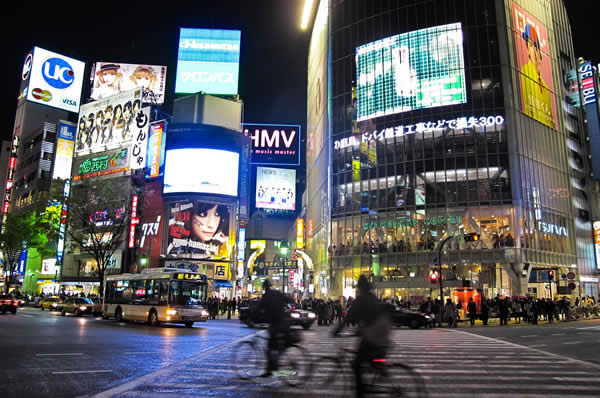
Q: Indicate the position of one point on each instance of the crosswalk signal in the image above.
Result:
(551, 275)
(434, 276)
(472, 237)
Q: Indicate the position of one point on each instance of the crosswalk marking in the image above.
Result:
(452, 363)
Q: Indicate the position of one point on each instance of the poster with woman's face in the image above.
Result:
(110, 78)
(200, 230)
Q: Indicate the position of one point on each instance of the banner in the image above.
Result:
(107, 163)
(535, 64)
(200, 230)
(109, 123)
(112, 78)
(65, 145)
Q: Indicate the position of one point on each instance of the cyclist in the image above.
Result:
(273, 304)
(374, 327)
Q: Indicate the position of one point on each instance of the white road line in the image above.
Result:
(589, 327)
(572, 342)
(558, 334)
(564, 358)
(81, 371)
(530, 335)
(28, 316)
(538, 345)
(61, 354)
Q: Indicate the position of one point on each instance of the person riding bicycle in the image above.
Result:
(374, 324)
(273, 303)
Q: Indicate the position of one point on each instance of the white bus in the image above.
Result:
(156, 295)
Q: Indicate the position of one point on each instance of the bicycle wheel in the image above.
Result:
(330, 378)
(294, 366)
(395, 380)
(248, 359)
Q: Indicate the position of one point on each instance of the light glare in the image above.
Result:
(306, 13)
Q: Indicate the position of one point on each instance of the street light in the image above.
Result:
(308, 5)
(283, 249)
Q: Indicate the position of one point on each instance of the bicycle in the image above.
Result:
(333, 376)
(250, 359)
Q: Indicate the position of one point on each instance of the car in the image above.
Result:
(97, 306)
(253, 314)
(7, 303)
(20, 300)
(412, 319)
(77, 306)
(54, 303)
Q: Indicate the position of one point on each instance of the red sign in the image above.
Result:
(133, 221)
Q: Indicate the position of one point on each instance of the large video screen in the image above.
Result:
(201, 170)
(55, 80)
(208, 61)
(200, 230)
(414, 70)
(110, 78)
(275, 188)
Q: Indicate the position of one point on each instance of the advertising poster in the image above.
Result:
(274, 144)
(54, 80)
(200, 230)
(152, 222)
(201, 170)
(275, 188)
(109, 123)
(110, 78)
(65, 144)
(414, 70)
(534, 63)
(208, 61)
(110, 163)
(155, 160)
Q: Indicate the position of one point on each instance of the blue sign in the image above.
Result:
(23, 262)
(58, 73)
(208, 61)
(436, 261)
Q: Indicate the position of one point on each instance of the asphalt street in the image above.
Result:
(47, 355)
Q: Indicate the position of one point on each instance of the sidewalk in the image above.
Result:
(495, 322)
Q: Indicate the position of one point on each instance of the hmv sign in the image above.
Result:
(276, 144)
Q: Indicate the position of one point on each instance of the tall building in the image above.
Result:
(450, 119)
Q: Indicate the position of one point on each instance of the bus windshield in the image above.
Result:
(188, 293)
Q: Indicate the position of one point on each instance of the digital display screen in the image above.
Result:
(201, 170)
(208, 61)
(275, 188)
(414, 70)
(110, 78)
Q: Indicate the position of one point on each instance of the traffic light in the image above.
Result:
(434, 276)
(551, 275)
(472, 237)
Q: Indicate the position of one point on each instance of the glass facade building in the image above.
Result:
(443, 119)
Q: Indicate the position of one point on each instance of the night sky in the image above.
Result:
(273, 50)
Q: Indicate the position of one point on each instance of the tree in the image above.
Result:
(98, 219)
(19, 231)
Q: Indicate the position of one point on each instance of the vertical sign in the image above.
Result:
(300, 233)
(597, 242)
(156, 149)
(23, 262)
(242, 244)
(588, 87)
(310, 231)
(65, 145)
(140, 139)
(60, 248)
(133, 221)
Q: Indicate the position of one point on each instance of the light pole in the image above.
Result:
(283, 249)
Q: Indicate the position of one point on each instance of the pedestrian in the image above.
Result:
(503, 312)
(517, 310)
(485, 312)
(450, 313)
(551, 307)
(437, 312)
(472, 309)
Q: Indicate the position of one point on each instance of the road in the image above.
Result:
(135, 360)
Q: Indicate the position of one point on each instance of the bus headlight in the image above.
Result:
(311, 315)
(171, 311)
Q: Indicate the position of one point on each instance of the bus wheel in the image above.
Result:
(188, 324)
(119, 315)
(153, 318)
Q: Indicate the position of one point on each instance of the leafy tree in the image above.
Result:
(98, 219)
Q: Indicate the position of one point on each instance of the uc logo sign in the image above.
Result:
(58, 73)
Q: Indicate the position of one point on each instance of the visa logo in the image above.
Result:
(69, 102)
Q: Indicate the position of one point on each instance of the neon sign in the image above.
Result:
(419, 128)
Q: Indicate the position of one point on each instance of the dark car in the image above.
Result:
(403, 317)
(253, 314)
(8, 303)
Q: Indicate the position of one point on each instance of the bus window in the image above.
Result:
(164, 292)
(187, 293)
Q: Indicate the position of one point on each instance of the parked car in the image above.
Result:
(412, 319)
(54, 303)
(7, 303)
(77, 306)
(253, 314)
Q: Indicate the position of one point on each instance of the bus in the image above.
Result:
(156, 295)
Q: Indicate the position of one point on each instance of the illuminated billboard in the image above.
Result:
(65, 144)
(54, 80)
(108, 123)
(155, 161)
(208, 61)
(115, 162)
(420, 69)
(535, 64)
(200, 230)
(201, 170)
(276, 144)
(275, 188)
(110, 78)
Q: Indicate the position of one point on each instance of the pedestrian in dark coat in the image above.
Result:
(472, 310)
(485, 312)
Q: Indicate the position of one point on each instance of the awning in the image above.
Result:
(224, 284)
